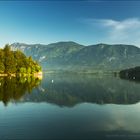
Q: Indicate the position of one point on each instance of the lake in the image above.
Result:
(69, 106)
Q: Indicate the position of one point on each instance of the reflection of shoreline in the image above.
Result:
(69, 90)
(38, 75)
(13, 88)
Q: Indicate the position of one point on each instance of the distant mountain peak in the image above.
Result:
(65, 43)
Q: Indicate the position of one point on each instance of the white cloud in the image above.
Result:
(124, 31)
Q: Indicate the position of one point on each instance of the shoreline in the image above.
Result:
(37, 74)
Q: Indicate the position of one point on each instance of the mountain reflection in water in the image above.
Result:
(69, 90)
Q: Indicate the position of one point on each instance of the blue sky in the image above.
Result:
(83, 21)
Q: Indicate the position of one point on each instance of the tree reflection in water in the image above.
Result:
(13, 88)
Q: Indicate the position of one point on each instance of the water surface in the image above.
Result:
(69, 106)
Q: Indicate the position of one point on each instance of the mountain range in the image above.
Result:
(72, 56)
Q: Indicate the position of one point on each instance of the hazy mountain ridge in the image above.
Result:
(73, 56)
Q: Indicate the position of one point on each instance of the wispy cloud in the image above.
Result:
(118, 31)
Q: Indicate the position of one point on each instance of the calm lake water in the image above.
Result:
(66, 106)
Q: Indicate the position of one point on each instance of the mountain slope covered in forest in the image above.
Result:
(75, 57)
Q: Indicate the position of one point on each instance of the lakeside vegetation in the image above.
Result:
(16, 63)
(132, 73)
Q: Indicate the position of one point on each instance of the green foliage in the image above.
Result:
(22, 70)
(132, 73)
(2, 68)
(16, 62)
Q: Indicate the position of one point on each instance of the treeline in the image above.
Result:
(132, 73)
(16, 62)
